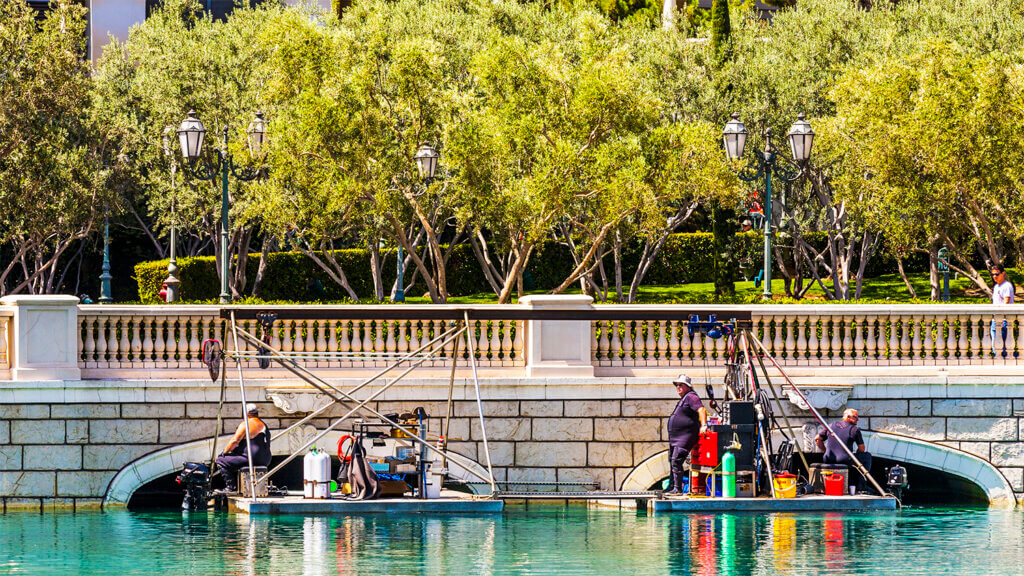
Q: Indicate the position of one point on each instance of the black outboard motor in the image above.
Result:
(195, 478)
(896, 480)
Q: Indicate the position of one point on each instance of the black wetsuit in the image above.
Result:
(844, 432)
(683, 433)
(231, 462)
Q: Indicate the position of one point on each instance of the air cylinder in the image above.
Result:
(316, 474)
(728, 475)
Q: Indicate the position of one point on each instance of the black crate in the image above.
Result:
(746, 434)
(739, 412)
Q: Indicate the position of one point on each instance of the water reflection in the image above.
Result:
(551, 540)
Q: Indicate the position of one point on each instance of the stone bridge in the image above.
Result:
(97, 401)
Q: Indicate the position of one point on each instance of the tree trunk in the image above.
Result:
(375, 269)
(910, 287)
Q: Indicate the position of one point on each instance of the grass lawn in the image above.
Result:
(883, 289)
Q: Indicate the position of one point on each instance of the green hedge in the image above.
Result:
(291, 276)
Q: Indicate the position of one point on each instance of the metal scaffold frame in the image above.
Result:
(457, 332)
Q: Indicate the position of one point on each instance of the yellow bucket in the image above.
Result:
(785, 485)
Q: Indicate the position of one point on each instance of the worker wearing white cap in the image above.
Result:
(687, 421)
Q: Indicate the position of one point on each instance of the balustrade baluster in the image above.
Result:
(985, 325)
(697, 344)
(801, 339)
(481, 341)
(858, 339)
(310, 344)
(766, 341)
(835, 343)
(594, 345)
(662, 345)
(1009, 344)
(89, 345)
(518, 342)
(414, 338)
(123, 343)
(506, 343)
(975, 342)
(778, 343)
(345, 345)
(916, 341)
(604, 344)
(813, 341)
(871, 344)
(101, 341)
(402, 343)
(952, 344)
(928, 345)
(790, 342)
(113, 345)
(195, 345)
(616, 349)
(496, 343)
(675, 357)
(378, 344)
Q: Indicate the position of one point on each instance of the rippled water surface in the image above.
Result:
(538, 540)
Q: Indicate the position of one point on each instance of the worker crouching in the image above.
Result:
(685, 424)
(235, 454)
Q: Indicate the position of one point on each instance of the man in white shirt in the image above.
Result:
(1002, 294)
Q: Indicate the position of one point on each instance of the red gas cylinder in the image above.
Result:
(833, 484)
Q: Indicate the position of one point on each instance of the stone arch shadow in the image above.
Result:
(170, 460)
(892, 446)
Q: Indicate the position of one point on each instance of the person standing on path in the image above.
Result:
(1002, 294)
(687, 421)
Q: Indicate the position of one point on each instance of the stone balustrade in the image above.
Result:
(828, 335)
(171, 337)
(139, 341)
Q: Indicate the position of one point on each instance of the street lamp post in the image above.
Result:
(172, 282)
(191, 135)
(105, 277)
(426, 163)
(765, 165)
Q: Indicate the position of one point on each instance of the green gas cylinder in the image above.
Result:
(729, 475)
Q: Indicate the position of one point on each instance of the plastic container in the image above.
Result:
(785, 485)
(316, 475)
(833, 484)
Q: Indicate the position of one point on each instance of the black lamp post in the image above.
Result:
(765, 165)
(426, 163)
(191, 135)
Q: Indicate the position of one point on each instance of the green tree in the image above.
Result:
(51, 191)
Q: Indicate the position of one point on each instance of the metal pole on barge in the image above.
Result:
(245, 409)
(856, 463)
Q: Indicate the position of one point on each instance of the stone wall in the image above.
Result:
(62, 443)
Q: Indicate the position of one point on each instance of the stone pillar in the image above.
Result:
(558, 348)
(45, 340)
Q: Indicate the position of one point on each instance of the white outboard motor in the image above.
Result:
(316, 477)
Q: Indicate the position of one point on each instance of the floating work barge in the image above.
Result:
(299, 505)
(807, 503)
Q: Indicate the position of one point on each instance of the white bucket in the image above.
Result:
(434, 482)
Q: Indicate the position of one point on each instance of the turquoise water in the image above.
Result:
(538, 540)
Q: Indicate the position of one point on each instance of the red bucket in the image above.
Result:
(833, 484)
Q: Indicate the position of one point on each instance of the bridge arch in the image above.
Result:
(891, 446)
(170, 460)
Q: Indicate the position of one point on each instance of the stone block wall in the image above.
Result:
(61, 445)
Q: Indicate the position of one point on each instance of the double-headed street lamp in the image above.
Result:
(765, 165)
(426, 163)
(191, 135)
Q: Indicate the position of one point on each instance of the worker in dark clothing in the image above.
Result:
(844, 432)
(687, 422)
(235, 455)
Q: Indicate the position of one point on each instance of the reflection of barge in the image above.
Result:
(295, 504)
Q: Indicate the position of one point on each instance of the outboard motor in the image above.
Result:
(195, 478)
(896, 480)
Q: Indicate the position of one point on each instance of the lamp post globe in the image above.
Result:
(801, 138)
(426, 161)
(735, 137)
(191, 135)
(257, 134)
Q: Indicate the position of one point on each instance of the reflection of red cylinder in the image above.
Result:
(832, 534)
